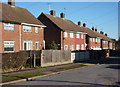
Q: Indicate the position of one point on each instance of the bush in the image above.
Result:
(14, 60)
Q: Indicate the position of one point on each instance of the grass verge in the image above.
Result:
(32, 74)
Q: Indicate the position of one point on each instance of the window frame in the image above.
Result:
(28, 29)
(8, 26)
(77, 35)
(65, 34)
(9, 45)
(71, 35)
(36, 29)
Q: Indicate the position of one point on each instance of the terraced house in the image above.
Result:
(66, 34)
(20, 30)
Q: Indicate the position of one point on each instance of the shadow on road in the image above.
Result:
(114, 66)
(103, 61)
(83, 84)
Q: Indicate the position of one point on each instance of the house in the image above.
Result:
(93, 41)
(66, 34)
(20, 30)
(106, 42)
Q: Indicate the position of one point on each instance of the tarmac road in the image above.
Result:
(99, 75)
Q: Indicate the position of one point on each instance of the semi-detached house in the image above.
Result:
(66, 34)
(20, 30)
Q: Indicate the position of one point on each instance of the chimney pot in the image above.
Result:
(105, 34)
(93, 28)
(101, 32)
(84, 25)
(79, 23)
(62, 15)
(96, 30)
(52, 12)
(11, 2)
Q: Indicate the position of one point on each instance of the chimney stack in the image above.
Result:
(84, 25)
(101, 32)
(62, 15)
(93, 28)
(79, 23)
(105, 34)
(11, 2)
(96, 30)
(53, 13)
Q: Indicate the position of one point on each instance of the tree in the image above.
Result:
(53, 45)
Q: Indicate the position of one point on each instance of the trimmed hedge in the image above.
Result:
(14, 60)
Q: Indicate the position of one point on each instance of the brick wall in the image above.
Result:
(18, 35)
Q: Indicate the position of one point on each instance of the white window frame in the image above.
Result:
(9, 26)
(77, 46)
(71, 35)
(36, 30)
(93, 39)
(65, 34)
(71, 47)
(9, 44)
(37, 47)
(27, 28)
(65, 47)
(29, 45)
(77, 35)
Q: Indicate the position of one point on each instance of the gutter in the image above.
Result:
(33, 25)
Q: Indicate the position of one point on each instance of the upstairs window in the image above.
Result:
(9, 46)
(8, 26)
(27, 28)
(65, 34)
(36, 30)
(77, 46)
(77, 35)
(71, 35)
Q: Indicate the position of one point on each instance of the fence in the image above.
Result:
(55, 57)
(77, 56)
(43, 58)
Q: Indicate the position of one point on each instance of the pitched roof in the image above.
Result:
(17, 14)
(64, 24)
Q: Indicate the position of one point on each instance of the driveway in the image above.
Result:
(100, 75)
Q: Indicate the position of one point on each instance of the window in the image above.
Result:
(8, 26)
(65, 47)
(71, 35)
(9, 46)
(82, 36)
(65, 34)
(36, 29)
(77, 47)
(82, 47)
(27, 28)
(36, 45)
(77, 35)
(96, 40)
(93, 39)
(27, 45)
(71, 47)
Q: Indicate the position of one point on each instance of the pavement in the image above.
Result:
(104, 73)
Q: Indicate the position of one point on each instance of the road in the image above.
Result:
(94, 75)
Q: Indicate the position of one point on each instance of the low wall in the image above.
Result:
(55, 57)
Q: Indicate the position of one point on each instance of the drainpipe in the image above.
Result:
(20, 28)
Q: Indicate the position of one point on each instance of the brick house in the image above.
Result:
(106, 42)
(66, 34)
(93, 40)
(20, 30)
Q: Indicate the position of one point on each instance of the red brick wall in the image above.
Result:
(8, 35)
(73, 41)
(93, 44)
